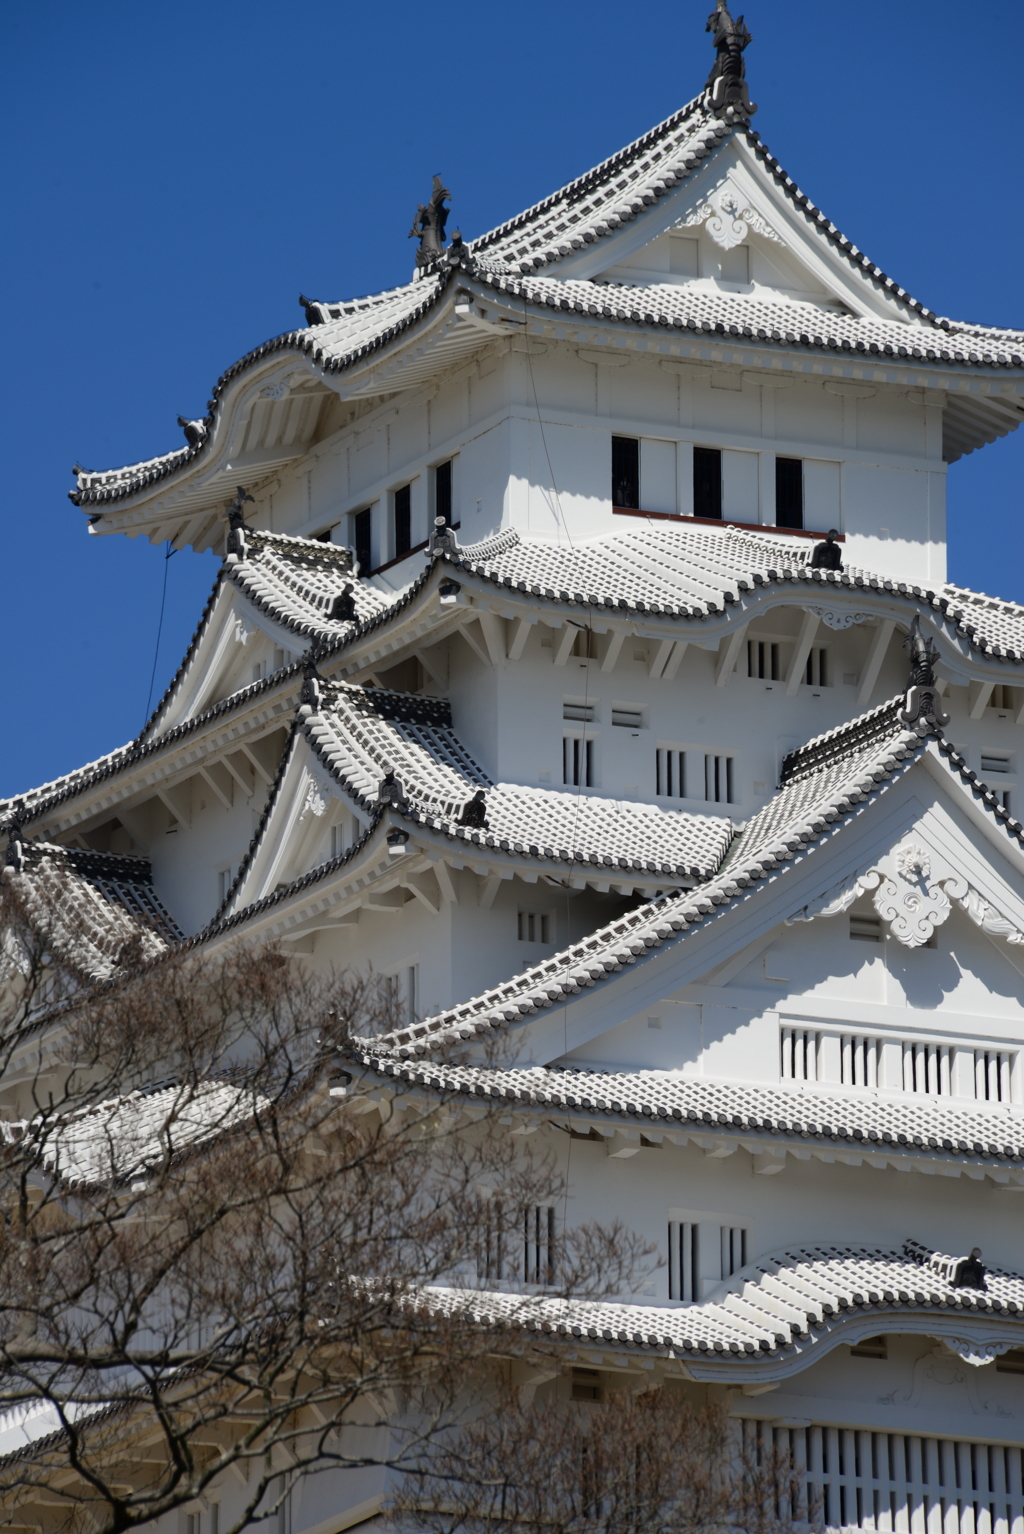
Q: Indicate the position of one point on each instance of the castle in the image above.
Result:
(583, 657)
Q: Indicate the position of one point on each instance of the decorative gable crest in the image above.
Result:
(729, 218)
(914, 897)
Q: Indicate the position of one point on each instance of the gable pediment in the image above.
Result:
(731, 227)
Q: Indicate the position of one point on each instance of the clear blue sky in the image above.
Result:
(175, 174)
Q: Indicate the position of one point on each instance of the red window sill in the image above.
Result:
(747, 527)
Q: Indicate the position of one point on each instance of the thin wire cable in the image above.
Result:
(168, 551)
(581, 774)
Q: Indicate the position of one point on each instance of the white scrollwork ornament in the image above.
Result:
(913, 862)
(975, 1352)
(729, 219)
(833, 620)
(243, 630)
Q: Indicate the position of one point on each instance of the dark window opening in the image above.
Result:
(403, 521)
(323, 537)
(626, 473)
(577, 762)
(789, 492)
(870, 1347)
(362, 532)
(707, 483)
(443, 492)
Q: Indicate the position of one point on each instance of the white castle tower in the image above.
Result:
(582, 655)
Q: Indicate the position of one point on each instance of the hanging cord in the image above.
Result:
(168, 551)
(582, 773)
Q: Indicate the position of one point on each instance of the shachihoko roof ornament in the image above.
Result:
(428, 225)
(923, 698)
(727, 83)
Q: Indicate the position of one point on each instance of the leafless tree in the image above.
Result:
(221, 1245)
(650, 1462)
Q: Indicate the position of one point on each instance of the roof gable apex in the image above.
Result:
(740, 198)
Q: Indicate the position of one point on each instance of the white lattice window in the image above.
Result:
(917, 1066)
(670, 773)
(702, 1250)
(763, 660)
(896, 1483)
(577, 761)
(718, 779)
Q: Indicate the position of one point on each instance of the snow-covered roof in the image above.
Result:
(510, 258)
(888, 1125)
(824, 785)
(359, 734)
(785, 1303)
(93, 910)
(123, 1138)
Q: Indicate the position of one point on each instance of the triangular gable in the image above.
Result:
(836, 815)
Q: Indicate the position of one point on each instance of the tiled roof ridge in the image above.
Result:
(264, 820)
(440, 815)
(663, 920)
(71, 784)
(112, 485)
(780, 1305)
(186, 659)
(127, 866)
(856, 257)
(838, 743)
(980, 790)
(389, 703)
(721, 1105)
(652, 309)
(591, 179)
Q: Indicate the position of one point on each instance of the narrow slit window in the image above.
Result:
(443, 492)
(362, 537)
(626, 473)
(628, 718)
(683, 1260)
(734, 1249)
(789, 492)
(579, 713)
(816, 670)
(707, 483)
(718, 779)
(577, 761)
(534, 927)
(539, 1245)
(992, 761)
(403, 521)
(670, 773)
(763, 660)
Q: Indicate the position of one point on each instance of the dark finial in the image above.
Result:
(77, 469)
(474, 811)
(311, 683)
(727, 82)
(428, 225)
(343, 608)
(196, 432)
(827, 555)
(970, 1271)
(923, 701)
(314, 315)
(236, 543)
(16, 838)
(442, 539)
(389, 790)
